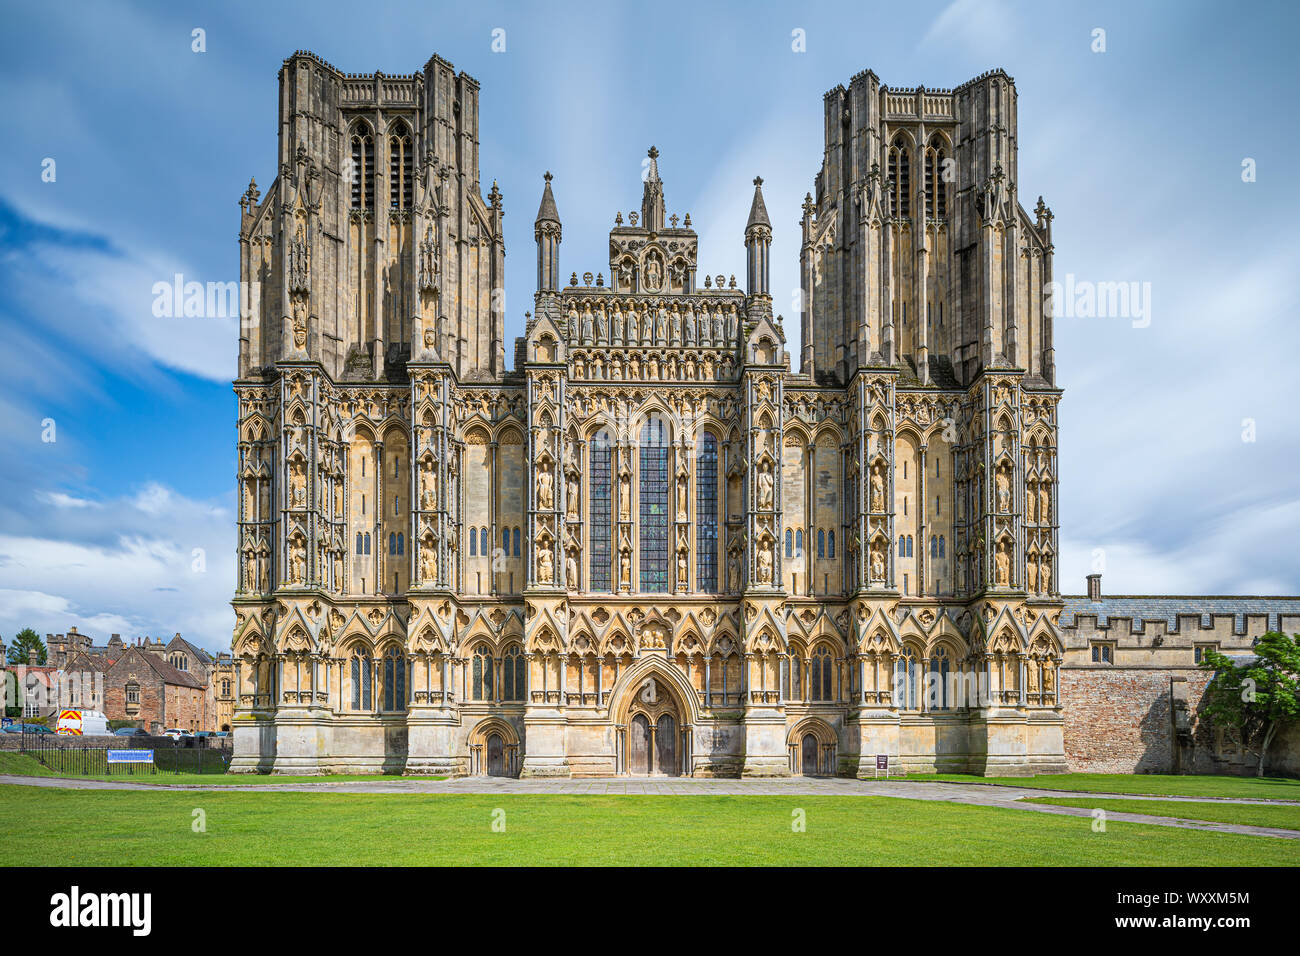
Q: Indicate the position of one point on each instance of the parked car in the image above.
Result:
(176, 733)
(28, 729)
(130, 732)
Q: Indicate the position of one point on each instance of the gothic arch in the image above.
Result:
(631, 679)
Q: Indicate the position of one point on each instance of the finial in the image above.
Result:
(653, 153)
(758, 180)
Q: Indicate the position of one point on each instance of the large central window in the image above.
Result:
(654, 506)
(601, 505)
(706, 515)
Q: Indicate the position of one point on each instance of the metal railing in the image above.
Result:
(189, 756)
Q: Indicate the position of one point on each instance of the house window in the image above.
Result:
(1198, 652)
(133, 693)
(1101, 654)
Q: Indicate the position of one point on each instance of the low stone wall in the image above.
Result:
(12, 742)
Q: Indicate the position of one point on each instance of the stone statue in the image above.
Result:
(765, 486)
(1031, 575)
(1004, 491)
(624, 569)
(877, 490)
(600, 324)
(765, 564)
(545, 488)
(624, 496)
(571, 493)
(427, 573)
(571, 570)
(1044, 504)
(877, 563)
(545, 564)
(733, 571)
(1002, 566)
(683, 571)
(681, 494)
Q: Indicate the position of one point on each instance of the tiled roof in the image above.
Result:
(1155, 608)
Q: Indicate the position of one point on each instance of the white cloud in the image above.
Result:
(122, 566)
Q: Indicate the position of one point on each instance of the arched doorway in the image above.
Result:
(812, 747)
(809, 747)
(653, 748)
(495, 755)
(494, 749)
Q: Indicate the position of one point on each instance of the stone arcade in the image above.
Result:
(651, 547)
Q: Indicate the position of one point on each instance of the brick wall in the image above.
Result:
(1117, 719)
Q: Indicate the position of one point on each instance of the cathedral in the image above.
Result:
(654, 545)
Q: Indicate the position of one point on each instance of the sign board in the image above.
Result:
(130, 756)
(6, 723)
(882, 763)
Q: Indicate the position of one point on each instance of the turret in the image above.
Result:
(758, 243)
(546, 230)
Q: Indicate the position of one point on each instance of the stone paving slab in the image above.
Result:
(1010, 798)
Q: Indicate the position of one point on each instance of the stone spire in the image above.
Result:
(652, 196)
(546, 212)
(758, 211)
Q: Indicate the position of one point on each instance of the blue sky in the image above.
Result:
(124, 522)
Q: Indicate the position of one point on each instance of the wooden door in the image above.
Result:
(809, 746)
(638, 745)
(666, 746)
(496, 765)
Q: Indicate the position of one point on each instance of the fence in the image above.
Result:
(194, 756)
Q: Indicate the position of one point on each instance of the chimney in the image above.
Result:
(1094, 587)
(32, 659)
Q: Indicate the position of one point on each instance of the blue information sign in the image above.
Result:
(130, 756)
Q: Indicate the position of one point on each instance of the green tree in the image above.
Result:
(1259, 698)
(23, 641)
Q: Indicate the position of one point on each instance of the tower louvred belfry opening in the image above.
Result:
(652, 546)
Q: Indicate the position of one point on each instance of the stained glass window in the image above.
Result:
(654, 507)
(706, 515)
(601, 504)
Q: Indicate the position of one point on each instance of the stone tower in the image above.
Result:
(375, 240)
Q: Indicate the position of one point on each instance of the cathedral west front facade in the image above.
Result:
(652, 543)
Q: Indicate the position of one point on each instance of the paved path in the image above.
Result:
(982, 795)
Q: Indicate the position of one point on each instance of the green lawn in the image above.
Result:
(28, 766)
(1249, 814)
(1155, 784)
(116, 828)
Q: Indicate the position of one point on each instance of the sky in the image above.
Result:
(126, 152)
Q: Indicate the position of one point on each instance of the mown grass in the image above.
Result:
(1248, 814)
(57, 826)
(1167, 785)
(28, 766)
